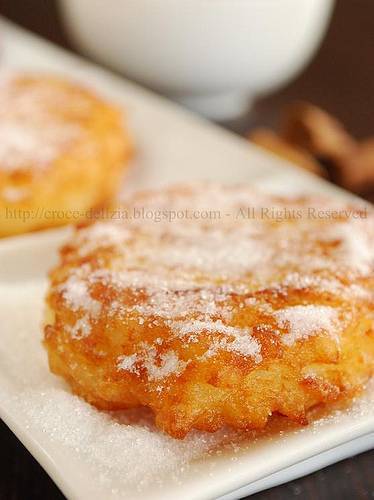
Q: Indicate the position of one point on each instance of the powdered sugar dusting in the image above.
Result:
(191, 275)
(239, 340)
(356, 246)
(127, 363)
(304, 321)
(157, 368)
(76, 294)
(229, 233)
(32, 133)
(107, 234)
(170, 364)
(81, 328)
(29, 144)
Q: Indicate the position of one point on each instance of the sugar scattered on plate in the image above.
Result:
(123, 451)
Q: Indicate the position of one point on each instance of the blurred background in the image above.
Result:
(245, 66)
(340, 80)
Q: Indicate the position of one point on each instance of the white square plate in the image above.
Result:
(94, 455)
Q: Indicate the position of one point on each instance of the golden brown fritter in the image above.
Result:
(62, 152)
(216, 306)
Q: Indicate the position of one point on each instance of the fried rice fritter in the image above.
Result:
(62, 152)
(216, 306)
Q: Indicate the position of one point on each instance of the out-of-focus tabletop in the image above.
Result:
(340, 79)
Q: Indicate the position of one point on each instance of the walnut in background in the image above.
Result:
(274, 143)
(316, 141)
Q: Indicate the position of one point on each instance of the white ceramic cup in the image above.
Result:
(214, 56)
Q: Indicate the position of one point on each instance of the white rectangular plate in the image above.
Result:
(94, 455)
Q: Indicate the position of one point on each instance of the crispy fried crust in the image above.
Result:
(215, 321)
(62, 151)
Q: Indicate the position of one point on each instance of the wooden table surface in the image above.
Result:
(340, 79)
